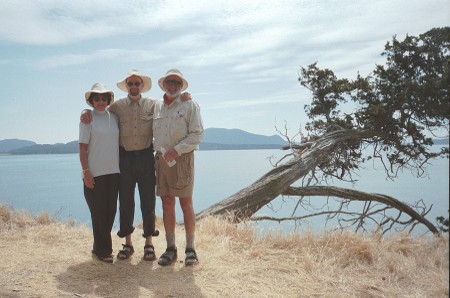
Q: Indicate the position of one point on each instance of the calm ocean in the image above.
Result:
(52, 184)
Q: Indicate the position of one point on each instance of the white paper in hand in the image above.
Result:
(170, 164)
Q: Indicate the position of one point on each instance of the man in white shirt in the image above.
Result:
(177, 132)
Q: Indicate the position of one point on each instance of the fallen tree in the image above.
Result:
(245, 203)
(249, 200)
(397, 110)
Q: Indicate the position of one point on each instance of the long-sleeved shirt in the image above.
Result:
(178, 126)
(136, 119)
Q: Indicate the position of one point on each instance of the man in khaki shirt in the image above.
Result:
(137, 163)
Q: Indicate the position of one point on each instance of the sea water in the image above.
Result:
(52, 184)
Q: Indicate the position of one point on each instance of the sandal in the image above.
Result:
(168, 257)
(106, 259)
(191, 257)
(126, 252)
(149, 253)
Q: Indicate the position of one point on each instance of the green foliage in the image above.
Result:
(405, 102)
(412, 90)
(327, 92)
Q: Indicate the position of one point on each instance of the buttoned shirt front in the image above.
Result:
(178, 126)
(136, 119)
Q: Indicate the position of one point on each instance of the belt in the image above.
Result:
(136, 152)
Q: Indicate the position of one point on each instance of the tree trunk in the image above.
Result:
(249, 200)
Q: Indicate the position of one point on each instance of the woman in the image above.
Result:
(99, 157)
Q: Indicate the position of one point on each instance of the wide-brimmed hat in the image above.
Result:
(173, 72)
(100, 89)
(122, 85)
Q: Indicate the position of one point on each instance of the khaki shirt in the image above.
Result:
(177, 126)
(136, 119)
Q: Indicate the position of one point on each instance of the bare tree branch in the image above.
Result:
(351, 194)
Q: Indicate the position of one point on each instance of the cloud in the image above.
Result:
(63, 22)
(242, 57)
(105, 55)
(56, 22)
(278, 98)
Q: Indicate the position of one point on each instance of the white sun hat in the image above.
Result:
(173, 72)
(122, 85)
(100, 89)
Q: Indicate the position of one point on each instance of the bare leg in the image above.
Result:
(189, 215)
(128, 240)
(169, 217)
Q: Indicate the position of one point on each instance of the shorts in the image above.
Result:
(177, 181)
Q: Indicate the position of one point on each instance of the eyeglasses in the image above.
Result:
(130, 84)
(173, 82)
(97, 98)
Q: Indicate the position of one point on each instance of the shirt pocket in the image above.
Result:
(125, 126)
(145, 124)
(146, 127)
(179, 128)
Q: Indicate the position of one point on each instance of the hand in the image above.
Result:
(86, 116)
(185, 96)
(88, 179)
(170, 155)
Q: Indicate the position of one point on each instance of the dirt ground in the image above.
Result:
(50, 259)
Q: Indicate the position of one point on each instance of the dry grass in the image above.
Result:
(41, 257)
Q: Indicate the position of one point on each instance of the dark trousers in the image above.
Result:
(102, 203)
(137, 167)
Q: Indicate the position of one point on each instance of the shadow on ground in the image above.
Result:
(126, 279)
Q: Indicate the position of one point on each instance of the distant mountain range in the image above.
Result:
(214, 139)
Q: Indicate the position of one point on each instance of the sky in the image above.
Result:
(241, 58)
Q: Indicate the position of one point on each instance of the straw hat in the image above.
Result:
(98, 88)
(173, 72)
(147, 81)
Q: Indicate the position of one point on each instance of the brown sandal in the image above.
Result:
(191, 257)
(126, 252)
(168, 257)
(149, 253)
(106, 259)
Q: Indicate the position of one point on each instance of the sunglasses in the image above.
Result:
(130, 84)
(173, 82)
(97, 98)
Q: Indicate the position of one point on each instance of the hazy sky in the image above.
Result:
(241, 58)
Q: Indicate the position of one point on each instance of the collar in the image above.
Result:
(167, 101)
(130, 101)
(100, 112)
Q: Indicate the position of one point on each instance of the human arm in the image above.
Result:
(86, 116)
(87, 175)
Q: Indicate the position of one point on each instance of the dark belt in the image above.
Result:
(136, 152)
